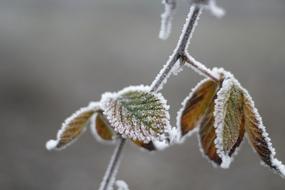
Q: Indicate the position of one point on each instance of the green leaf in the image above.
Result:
(229, 119)
(137, 113)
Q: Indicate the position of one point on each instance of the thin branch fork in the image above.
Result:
(180, 52)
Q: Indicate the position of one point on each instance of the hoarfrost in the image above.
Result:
(121, 185)
(177, 68)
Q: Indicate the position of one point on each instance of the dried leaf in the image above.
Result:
(137, 113)
(73, 127)
(258, 137)
(100, 128)
(229, 119)
(207, 136)
(195, 106)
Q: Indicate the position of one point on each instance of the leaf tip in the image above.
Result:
(280, 167)
(51, 145)
(226, 162)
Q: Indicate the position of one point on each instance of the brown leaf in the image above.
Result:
(72, 128)
(258, 137)
(196, 105)
(100, 128)
(207, 136)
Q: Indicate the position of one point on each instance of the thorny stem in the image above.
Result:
(111, 172)
(180, 52)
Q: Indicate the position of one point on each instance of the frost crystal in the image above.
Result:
(137, 113)
(177, 68)
(121, 185)
(166, 18)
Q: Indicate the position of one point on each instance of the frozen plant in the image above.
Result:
(219, 109)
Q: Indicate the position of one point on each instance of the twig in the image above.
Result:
(166, 18)
(111, 172)
(196, 65)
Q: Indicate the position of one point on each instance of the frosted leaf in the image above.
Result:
(258, 137)
(195, 106)
(229, 120)
(166, 18)
(207, 136)
(121, 185)
(101, 129)
(137, 113)
(73, 127)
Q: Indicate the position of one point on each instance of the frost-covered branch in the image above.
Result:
(199, 67)
(111, 172)
(183, 43)
(177, 59)
(166, 18)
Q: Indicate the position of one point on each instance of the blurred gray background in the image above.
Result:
(57, 55)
